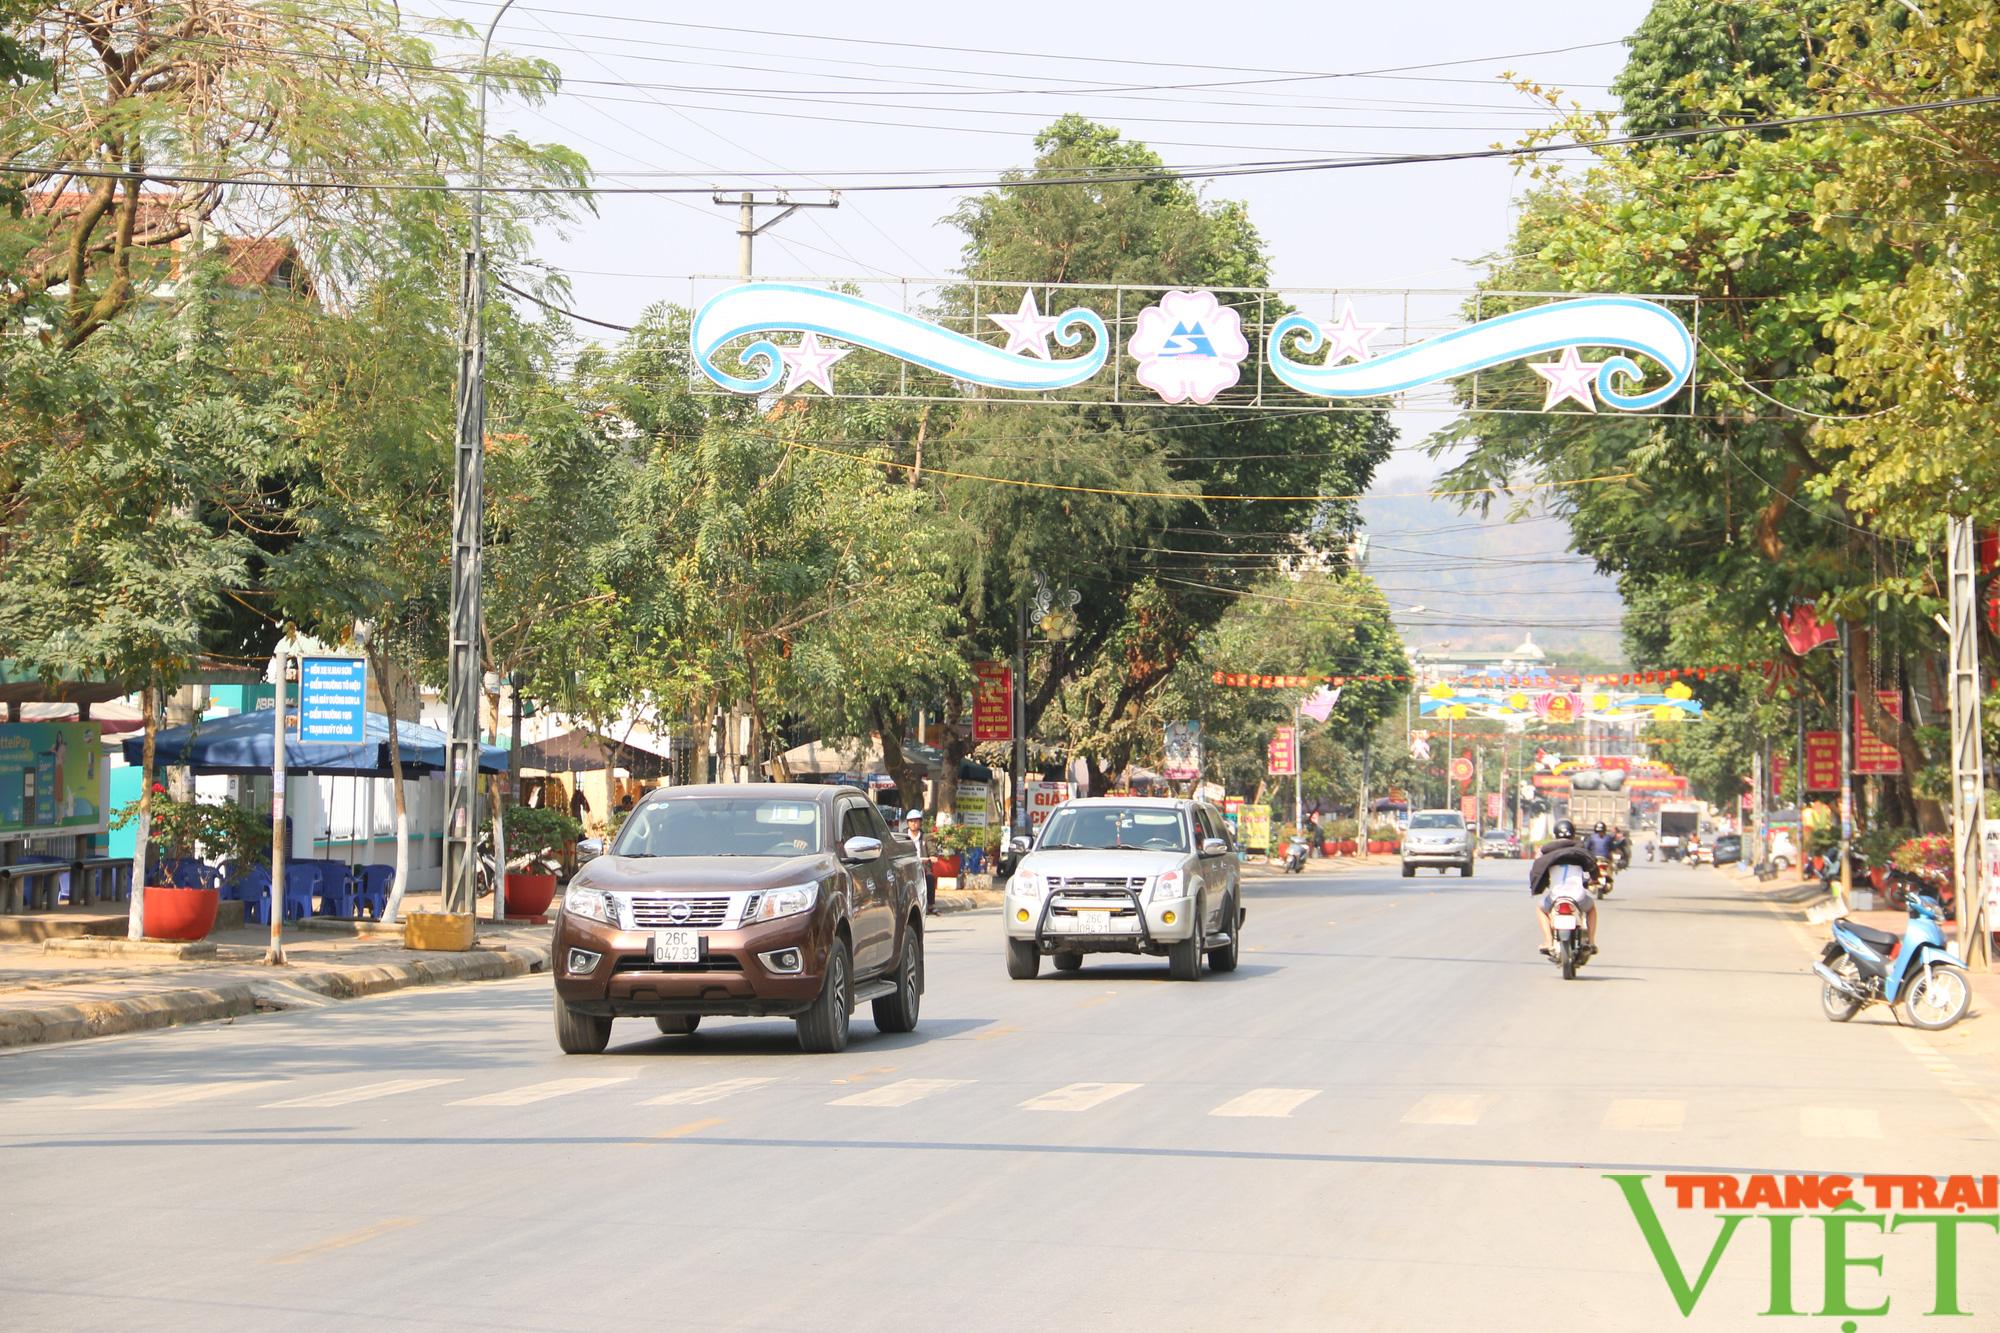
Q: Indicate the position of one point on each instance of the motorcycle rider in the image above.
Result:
(1602, 843)
(1563, 850)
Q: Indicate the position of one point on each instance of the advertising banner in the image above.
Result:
(992, 702)
(1493, 807)
(1183, 752)
(1469, 807)
(1044, 797)
(1253, 826)
(973, 805)
(1284, 753)
(1872, 754)
(1822, 761)
(52, 778)
(333, 700)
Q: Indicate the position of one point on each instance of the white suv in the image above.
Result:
(1127, 875)
(1437, 838)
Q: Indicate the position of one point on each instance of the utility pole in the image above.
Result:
(1361, 811)
(728, 747)
(1018, 706)
(1846, 769)
(1298, 774)
(1968, 764)
(748, 229)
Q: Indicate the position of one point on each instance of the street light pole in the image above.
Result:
(461, 891)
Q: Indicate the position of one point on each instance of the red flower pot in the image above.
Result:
(1331, 847)
(1347, 846)
(178, 914)
(529, 896)
(945, 867)
(1878, 876)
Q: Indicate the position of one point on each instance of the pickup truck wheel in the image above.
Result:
(1224, 958)
(898, 1012)
(1184, 957)
(823, 1028)
(1465, 871)
(579, 1033)
(1024, 960)
(1068, 962)
(1409, 871)
(678, 1025)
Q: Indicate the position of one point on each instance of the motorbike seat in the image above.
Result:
(1878, 939)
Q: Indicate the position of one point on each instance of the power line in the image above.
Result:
(1139, 176)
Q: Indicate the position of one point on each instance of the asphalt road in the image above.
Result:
(1395, 1115)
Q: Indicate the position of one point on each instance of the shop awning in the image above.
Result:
(583, 751)
(243, 744)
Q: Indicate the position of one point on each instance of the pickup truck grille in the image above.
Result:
(665, 911)
(1087, 887)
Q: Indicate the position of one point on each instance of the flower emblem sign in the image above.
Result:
(1189, 346)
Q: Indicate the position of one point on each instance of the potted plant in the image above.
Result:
(179, 827)
(538, 837)
(1878, 846)
(951, 842)
(1382, 838)
(1344, 832)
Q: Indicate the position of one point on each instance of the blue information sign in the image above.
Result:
(333, 699)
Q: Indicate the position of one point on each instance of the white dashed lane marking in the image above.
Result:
(1644, 1113)
(1447, 1109)
(541, 1092)
(707, 1092)
(1276, 1103)
(900, 1093)
(1839, 1122)
(1077, 1096)
(367, 1092)
(177, 1094)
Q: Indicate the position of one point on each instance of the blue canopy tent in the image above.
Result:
(243, 744)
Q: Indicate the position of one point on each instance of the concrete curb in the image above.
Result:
(162, 1009)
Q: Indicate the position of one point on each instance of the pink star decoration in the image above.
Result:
(809, 363)
(1569, 376)
(1348, 338)
(1028, 329)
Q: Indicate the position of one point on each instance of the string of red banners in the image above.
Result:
(1662, 676)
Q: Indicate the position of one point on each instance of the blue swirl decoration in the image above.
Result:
(783, 307)
(1624, 322)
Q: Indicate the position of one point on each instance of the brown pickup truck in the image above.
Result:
(761, 900)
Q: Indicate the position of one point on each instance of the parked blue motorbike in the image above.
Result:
(1862, 966)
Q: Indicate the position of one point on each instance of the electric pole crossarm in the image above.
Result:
(748, 228)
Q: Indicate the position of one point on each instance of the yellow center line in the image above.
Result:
(691, 1127)
(347, 1241)
(864, 1075)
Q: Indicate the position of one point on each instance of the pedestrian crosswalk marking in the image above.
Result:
(1443, 1108)
(541, 1092)
(1643, 1113)
(178, 1094)
(1839, 1122)
(707, 1092)
(1077, 1096)
(1276, 1103)
(367, 1092)
(900, 1093)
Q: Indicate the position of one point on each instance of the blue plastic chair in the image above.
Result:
(252, 887)
(339, 895)
(301, 884)
(376, 881)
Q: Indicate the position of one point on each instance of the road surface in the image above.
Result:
(1395, 1115)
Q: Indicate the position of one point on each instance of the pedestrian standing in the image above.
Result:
(916, 827)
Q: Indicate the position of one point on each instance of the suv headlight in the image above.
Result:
(1167, 885)
(1027, 884)
(791, 900)
(591, 904)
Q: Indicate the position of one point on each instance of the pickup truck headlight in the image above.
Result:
(591, 904)
(1167, 885)
(788, 901)
(1026, 884)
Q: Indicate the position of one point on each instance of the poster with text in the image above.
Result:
(1872, 754)
(53, 778)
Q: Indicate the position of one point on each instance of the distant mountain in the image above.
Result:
(1484, 583)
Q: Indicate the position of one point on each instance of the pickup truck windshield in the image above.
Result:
(1437, 820)
(730, 826)
(1104, 827)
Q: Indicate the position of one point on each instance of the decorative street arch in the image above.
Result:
(1056, 342)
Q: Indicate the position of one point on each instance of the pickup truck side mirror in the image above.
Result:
(589, 849)
(1213, 847)
(1022, 846)
(861, 849)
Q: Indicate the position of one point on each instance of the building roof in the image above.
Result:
(250, 261)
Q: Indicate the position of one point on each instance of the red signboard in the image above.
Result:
(1469, 807)
(1493, 806)
(1822, 761)
(1872, 754)
(992, 702)
(1777, 777)
(1284, 753)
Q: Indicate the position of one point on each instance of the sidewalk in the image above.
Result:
(97, 986)
(1792, 899)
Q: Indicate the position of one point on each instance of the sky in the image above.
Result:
(809, 88)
